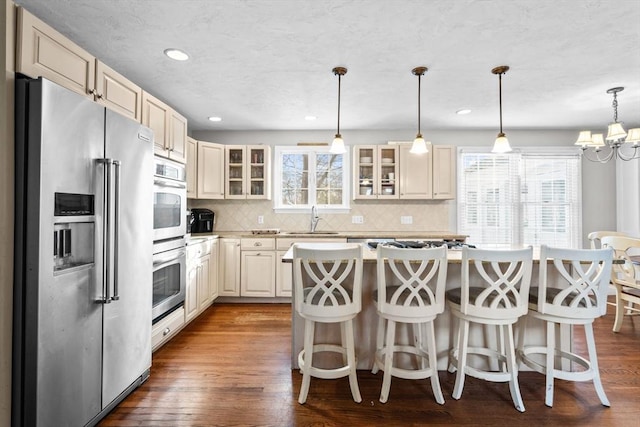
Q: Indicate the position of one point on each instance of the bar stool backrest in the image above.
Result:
(500, 288)
(580, 282)
(327, 280)
(411, 282)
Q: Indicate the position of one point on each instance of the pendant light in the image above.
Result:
(502, 143)
(337, 146)
(419, 145)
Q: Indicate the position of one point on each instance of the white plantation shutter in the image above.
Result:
(521, 198)
(551, 200)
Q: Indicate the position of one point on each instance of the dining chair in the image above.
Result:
(572, 290)
(595, 237)
(328, 289)
(625, 276)
(410, 291)
(496, 294)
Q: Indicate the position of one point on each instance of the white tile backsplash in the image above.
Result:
(238, 215)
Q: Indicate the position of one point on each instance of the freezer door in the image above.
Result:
(127, 319)
(63, 324)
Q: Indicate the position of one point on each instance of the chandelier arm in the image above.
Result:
(500, 92)
(633, 156)
(419, 79)
(597, 158)
(339, 83)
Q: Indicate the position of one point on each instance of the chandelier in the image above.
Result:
(617, 138)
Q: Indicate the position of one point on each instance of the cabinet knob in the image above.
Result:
(166, 332)
(257, 244)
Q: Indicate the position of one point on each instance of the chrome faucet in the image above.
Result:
(314, 218)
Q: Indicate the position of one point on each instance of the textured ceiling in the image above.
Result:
(266, 64)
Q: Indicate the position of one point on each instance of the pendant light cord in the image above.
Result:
(500, 91)
(419, 79)
(339, 84)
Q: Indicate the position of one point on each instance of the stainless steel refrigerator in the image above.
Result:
(83, 273)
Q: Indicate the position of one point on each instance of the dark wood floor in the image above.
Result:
(231, 367)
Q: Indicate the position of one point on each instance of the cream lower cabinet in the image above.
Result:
(198, 294)
(258, 267)
(284, 271)
(213, 271)
(229, 267)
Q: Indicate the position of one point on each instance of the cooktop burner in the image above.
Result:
(421, 244)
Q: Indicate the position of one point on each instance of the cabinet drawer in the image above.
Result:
(197, 250)
(166, 328)
(286, 242)
(249, 244)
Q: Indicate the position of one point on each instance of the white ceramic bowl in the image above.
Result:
(387, 160)
(366, 160)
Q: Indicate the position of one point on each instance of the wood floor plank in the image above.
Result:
(231, 367)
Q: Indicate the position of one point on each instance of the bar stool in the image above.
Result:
(498, 296)
(576, 295)
(410, 290)
(321, 273)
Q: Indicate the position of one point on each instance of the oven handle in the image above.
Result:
(163, 183)
(168, 259)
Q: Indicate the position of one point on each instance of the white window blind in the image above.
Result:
(522, 198)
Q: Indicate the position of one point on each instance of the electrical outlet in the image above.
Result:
(357, 219)
(260, 219)
(406, 219)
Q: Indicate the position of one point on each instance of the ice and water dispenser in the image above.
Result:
(73, 231)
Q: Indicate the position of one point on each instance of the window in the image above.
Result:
(522, 198)
(308, 176)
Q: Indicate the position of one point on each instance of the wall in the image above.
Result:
(6, 209)
(598, 183)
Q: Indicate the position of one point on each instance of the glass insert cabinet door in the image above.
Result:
(247, 172)
(376, 172)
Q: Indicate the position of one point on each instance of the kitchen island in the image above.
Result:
(365, 324)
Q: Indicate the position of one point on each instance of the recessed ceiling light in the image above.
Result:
(463, 111)
(176, 54)
(215, 119)
(310, 118)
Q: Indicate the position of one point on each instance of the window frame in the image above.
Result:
(518, 177)
(313, 151)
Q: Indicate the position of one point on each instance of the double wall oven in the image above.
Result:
(169, 227)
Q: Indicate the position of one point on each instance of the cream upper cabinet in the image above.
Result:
(192, 168)
(415, 174)
(375, 172)
(169, 128)
(42, 51)
(247, 172)
(178, 137)
(210, 171)
(115, 92)
(444, 172)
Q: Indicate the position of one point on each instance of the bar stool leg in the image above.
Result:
(512, 366)
(550, 360)
(351, 360)
(309, 330)
(433, 363)
(388, 360)
(593, 360)
(462, 357)
(379, 342)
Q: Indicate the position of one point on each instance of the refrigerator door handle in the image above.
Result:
(116, 228)
(106, 231)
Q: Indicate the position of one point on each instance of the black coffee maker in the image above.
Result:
(201, 220)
